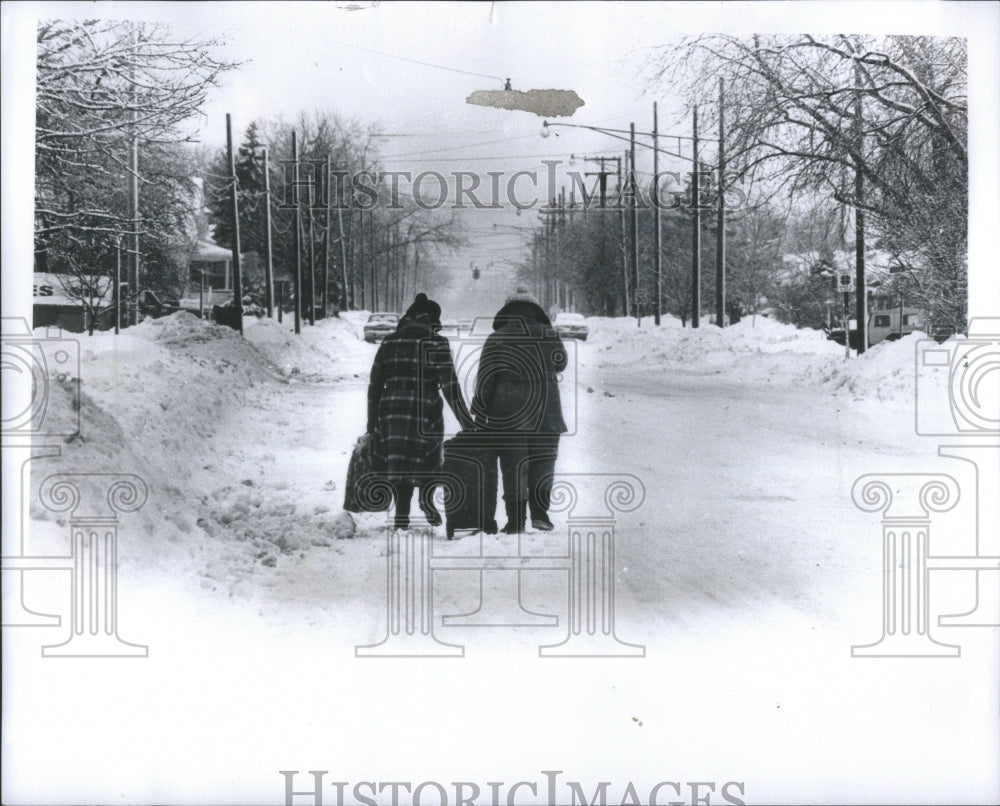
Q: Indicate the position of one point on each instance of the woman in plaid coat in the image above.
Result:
(412, 370)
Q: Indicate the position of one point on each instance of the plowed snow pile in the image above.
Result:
(186, 405)
(761, 350)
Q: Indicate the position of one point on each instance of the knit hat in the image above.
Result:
(521, 294)
(426, 309)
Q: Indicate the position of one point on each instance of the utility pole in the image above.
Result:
(345, 304)
(633, 196)
(602, 179)
(621, 216)
(297, 277)
(695, 230)
(537, 255)
(561, 234)
(235, 213)
(657, 240)
(399, 266)
(132, 253)
(392, 278)
(328, 185)
(312, 269)
(548, 263)
(860, 293)
(268, 259)
(720, 235)
(361, 264)
(387, 246)
(602, 175)
(118, 285)
(374, 266)
(416, 267)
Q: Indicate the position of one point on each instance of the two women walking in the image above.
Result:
(516, 405)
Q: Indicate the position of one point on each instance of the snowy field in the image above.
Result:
(747, 574)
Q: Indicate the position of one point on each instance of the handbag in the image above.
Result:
(367, 488)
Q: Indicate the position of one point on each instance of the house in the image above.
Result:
(70, 302)
(213, 264)
(210, 278)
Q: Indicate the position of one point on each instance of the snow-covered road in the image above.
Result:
(747, 574)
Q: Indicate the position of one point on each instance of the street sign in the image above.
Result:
(845, 281)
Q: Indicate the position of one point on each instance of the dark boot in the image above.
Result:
(432, 514)
(516, 514)
(404, 495)
(427, 506)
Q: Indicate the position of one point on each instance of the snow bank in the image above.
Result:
(234, 457)
(884, 372)
(329, 348)
(760, 350)
(185, 404)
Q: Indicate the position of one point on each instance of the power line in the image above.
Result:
(433, 134)
(501, 156)
(467, 145)
(418, 61)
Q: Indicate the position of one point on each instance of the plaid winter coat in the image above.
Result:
(412, 369)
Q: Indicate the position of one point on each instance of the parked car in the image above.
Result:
(571, 326)
(884, 325)
(380, 325)
(451, 329)
(152, 306)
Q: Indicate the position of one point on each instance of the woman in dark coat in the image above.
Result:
(413, 368)
(517, 397)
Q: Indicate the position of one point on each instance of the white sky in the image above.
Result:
(299, 56)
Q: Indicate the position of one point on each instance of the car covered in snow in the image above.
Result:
(380, 325)
(571, 326)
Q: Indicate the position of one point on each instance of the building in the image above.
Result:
(71, 302)
(210, 278)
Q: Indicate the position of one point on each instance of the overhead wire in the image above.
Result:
(506, 156)
(467, 145)
(418, 61)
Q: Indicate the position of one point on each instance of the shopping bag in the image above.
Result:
(367, 488)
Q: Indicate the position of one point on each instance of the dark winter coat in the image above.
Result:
(516, 388)
(412, 369)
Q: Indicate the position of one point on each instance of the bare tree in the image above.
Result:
(360, 241)
(755, 257)
(105, 88)
(806, 113)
